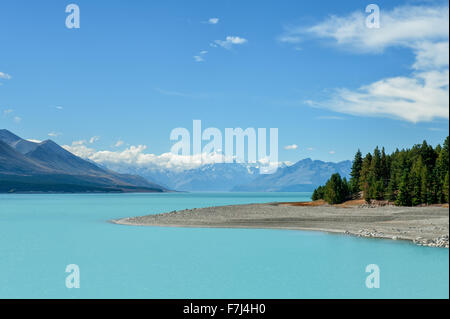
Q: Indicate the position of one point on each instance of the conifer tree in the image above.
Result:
(403, 197)
(356, 173)
(445, 188)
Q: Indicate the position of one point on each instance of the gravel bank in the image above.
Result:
(427, 226)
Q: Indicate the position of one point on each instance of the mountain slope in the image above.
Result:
(13, 162)
(48, 167)
(19, 144)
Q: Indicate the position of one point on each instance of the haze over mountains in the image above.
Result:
(27, 166)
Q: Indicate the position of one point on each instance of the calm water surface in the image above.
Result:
(41, 234)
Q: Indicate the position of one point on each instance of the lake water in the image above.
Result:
(41, 234)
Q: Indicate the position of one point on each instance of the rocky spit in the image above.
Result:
(425, 226)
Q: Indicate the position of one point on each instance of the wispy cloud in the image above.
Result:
(94, 139)
(198, 58)
(54, 134)
(230, 41)
(119, 143)
(402, 26)
(212, 21)
(421, 96)
(17, 119)
(332, 152)
(5, 76)
(291, 147)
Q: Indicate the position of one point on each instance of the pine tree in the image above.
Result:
(404, 196)
(416, 181)
(441, 170)
(318, 193)
(365, 176)
(445, 188)
(356, 173)
(335, 190)
(392, 190)
(384, 166)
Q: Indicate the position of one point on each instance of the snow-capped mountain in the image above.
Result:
(305, 175)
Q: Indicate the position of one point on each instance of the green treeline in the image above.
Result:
(406, 177)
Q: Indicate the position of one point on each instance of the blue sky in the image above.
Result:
(135, 70)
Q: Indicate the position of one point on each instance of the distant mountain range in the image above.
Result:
(305, 176)
(27, 166)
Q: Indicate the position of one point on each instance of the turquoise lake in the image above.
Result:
(41, 234)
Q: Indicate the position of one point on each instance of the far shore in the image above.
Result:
(427, 225)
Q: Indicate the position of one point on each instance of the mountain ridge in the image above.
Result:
(27, 166)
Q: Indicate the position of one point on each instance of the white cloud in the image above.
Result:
(5, 76)
(213, 20)
(310, 149)
(137, 157)
(402, 26)
(431, 55)
(198, 58)
(78, 143)
(332, 152)
(119, 143)
(94, 139)
(17, 119)
(291, 147)
(293, 39)
(230, 41)
(54, 134)
(420, 96)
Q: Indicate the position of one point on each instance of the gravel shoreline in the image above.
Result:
(425, 226)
